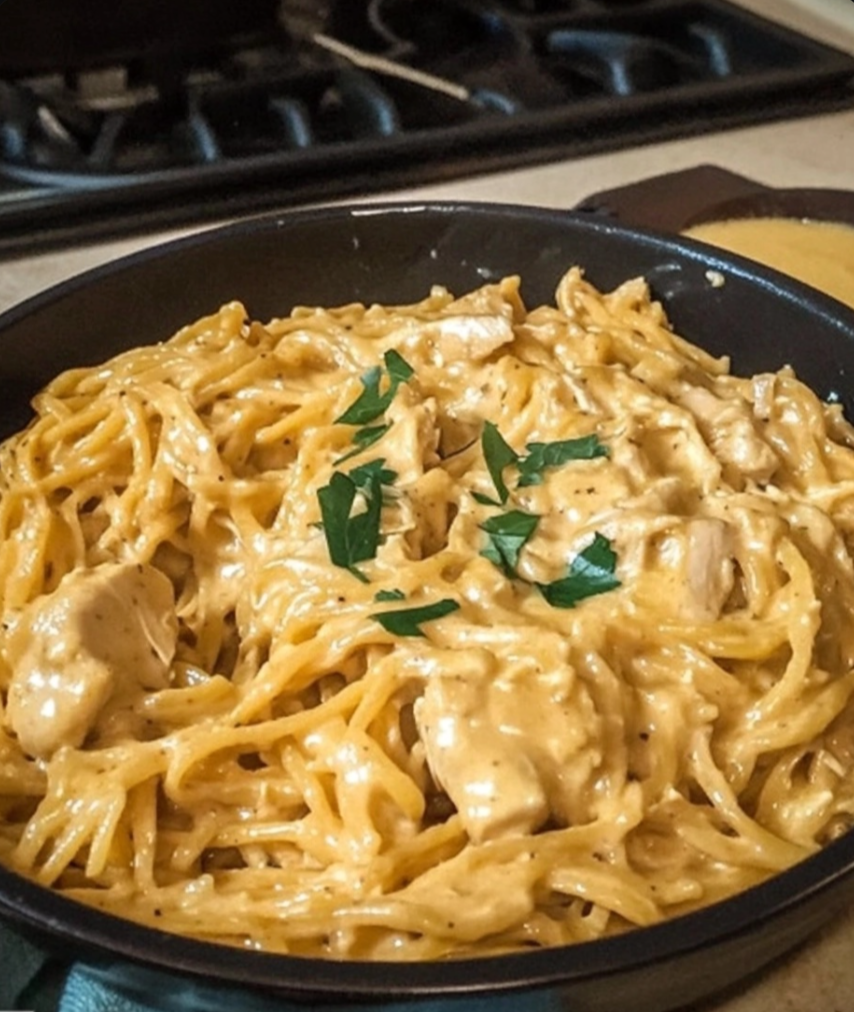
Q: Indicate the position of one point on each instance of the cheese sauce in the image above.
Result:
(424, 631)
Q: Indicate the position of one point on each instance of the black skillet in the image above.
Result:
(394, 253)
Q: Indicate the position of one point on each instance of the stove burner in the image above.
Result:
(315, 100)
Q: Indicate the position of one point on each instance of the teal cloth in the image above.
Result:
(31, 978)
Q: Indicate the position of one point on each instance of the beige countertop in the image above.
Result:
(815, 152)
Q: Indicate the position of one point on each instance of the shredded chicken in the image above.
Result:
(700, 559)
(728, 425)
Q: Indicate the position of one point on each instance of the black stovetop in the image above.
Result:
(107, 128)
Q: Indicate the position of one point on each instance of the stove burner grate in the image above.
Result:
(330, 99)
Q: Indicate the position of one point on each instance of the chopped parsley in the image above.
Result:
(591, 572)
(354, 538)
(407, 621)
(375, 470)
(498, 455)
(543, 455)
(507, 534)
(371, 404)
(363, 438)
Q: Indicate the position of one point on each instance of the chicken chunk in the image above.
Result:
(458, 338)
(728, 427)
(699, 560)
(104, 631)
(411, 447)
(510, 752)
(472, 329)
(495, 787)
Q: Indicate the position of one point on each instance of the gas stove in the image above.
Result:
(184, 113)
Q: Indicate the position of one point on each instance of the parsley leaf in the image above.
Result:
(591, 572)
(354, 539)
(369, 435)
(336, 501)
(407, 621)
(398, 368)
(389, 595)
(498, 455)
(543, 455)
(364, 438)
(370, 404)
(507, 534)
(363, 529)
(365, 474)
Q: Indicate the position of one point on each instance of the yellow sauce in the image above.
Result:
(817, 252)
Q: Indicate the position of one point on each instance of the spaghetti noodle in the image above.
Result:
(422, 631)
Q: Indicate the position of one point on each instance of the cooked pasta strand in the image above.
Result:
(413, 632)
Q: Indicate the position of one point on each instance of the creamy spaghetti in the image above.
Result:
(437, 630)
